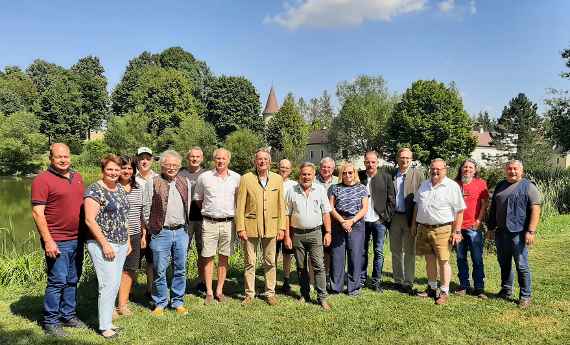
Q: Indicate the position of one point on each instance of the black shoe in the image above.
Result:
(55, 330)
(377, 288)
(505, 294)
(286, 289)
(407, 289)
(74, 322)
(200, 287)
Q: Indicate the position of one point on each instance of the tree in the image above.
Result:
(484, 121)
(194, 131)
(366, 105)
(242, 144)
(165, 95)
(42, 72)
(287, 132)
(522, 128)
(183, 61)
(88, 73)
(59, 108)
(558, 114)
(318, 113)
(21, 143)
(430, 119)
(17, 91)
(120, 97)
(232, 103)
(126, 133)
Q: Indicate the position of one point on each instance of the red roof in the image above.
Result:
(319, 137)
(483, 138)
(271, 107)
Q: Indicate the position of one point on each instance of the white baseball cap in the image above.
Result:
(144, 149)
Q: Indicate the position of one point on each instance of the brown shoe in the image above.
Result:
(247, 301)
(124, 310)
(325, 305)
(208, 300)
(461, 292)
(480, 294)
(524, 303)
(220, 298)
(181, 310)
(272, 300)
(442, 299)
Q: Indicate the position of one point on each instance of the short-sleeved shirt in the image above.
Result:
(439, 204)
(288, 184)
(327, 185)
(474, 193)
(503, 194)
(217, 193)
(348, 199)
(135, 198)
(113, 212)
(63, 200)
(307, 211)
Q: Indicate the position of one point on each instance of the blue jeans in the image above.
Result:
(472, 241)
(63, 273)
(108, 278)
(511, 245)
(345, 244)
(165, 245)
(376, 231)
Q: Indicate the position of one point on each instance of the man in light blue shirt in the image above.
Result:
(309, 210)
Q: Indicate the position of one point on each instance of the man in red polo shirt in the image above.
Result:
(57, 200)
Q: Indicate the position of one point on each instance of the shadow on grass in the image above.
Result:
(29, 337)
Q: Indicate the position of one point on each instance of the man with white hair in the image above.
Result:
(514, 217)
(166, 208)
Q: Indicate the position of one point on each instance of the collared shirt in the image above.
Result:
(143, 181)
(194, 212)
(217, 193)
(175, 207)
(307, 211)
(371, 215)
(439, 204)
(400, 191)
(327, 185)
(288, 184)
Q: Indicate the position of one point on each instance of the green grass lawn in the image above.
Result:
(374, 318)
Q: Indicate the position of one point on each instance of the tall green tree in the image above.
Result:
(59, 107)
(21, 143)
(484, 121)
(242, 144)
(89, 75)
(232, 103)
(126, 133)
(522, 129)
(558, 114)
(183, 61)
(431, 120)
(17, 91)
(366, 105)
(194, 131)
(42, 72)
(287, 131)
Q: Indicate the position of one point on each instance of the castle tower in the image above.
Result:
(271, 107)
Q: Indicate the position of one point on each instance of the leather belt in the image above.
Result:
(429, 226)
(212, 219)
(305, 231)
(173, 227)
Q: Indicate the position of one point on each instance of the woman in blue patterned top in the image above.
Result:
(137, 231)
(106, 215)
(349, 200)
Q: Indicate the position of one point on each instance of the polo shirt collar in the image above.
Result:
(52, 170)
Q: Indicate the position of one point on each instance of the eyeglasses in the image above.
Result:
(348, 172)
(171, 166)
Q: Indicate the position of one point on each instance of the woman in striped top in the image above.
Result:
(137, 231)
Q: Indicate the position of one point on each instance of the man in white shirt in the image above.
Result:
(438, 216)
(215, 193)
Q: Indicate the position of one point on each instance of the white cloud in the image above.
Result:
(472, 7)
(335, 13)
(446, 5)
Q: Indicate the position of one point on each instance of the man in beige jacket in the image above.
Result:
(260, 218)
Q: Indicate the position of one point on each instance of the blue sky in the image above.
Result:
(491, 49)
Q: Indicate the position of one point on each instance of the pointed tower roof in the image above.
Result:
(271, 107)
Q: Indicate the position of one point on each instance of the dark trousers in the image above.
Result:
(511, 245)
(345, 244)
(308, 245)
(377, 232)
(63, 274)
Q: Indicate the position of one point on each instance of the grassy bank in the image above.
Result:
(371, 318)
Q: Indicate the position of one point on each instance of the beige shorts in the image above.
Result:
(217, 238)
(434, 241)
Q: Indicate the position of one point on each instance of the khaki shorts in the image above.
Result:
(434, 241)
(217, 238)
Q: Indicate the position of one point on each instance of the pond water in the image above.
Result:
(17, 228)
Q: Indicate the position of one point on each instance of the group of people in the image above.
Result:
(324, 222)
